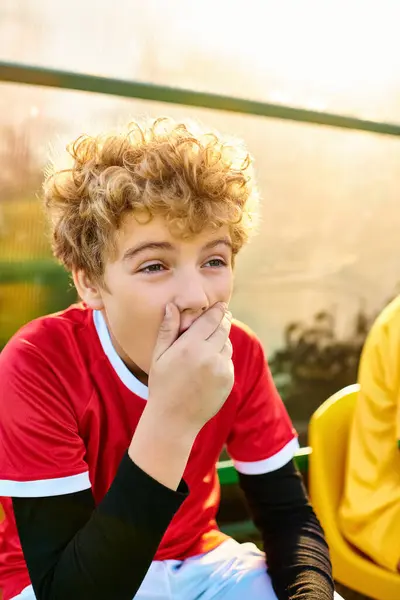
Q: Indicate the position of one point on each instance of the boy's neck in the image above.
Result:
(134, 369)
(130, 365)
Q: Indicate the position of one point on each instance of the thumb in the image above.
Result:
(169, 330)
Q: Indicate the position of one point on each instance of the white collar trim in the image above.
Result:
(127, 378)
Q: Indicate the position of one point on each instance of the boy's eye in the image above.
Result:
(216, 262)
(154, 268)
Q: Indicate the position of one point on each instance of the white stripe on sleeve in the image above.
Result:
(270, 464)
(42, 488)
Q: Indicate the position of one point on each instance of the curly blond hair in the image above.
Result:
(193, 180)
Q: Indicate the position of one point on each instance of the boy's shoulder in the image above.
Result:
(242, 334)
(50, 335)
(46, 366)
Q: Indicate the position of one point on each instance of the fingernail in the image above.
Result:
(228, 314)
(168, 311)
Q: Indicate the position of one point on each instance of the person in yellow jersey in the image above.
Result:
(370, 510)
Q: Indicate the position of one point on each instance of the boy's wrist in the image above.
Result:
(169, 426)
(161, 448)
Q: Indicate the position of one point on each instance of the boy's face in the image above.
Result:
(152, 268)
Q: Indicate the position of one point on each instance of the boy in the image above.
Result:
(370, 510)
(114, 412)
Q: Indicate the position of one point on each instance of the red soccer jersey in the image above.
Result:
(69, 407)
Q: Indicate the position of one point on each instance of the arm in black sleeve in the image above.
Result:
(74, 550)
(294, 543)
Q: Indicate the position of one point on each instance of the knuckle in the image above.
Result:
(207, 361)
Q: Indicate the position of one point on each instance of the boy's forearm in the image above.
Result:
(297, 554)
(161, 447)
(299, 565)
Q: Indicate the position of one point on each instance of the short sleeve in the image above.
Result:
(263, 438)
(41, 451)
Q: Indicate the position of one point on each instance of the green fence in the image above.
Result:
(32, 75)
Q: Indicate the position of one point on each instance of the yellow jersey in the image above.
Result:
(369, 514)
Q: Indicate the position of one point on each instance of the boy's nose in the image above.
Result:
(191, 296)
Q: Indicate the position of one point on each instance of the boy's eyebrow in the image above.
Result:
(131, 252)
(224, 240)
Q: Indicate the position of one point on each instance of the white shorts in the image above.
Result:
(232, 571)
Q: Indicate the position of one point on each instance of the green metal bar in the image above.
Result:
(33, 75)
(228, 476)
(301, 458)
(227, 473)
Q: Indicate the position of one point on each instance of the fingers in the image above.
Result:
(169, 330)
(203, 328)
(220, 336)
(227, 350)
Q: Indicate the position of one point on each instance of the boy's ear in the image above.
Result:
(88, 291)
